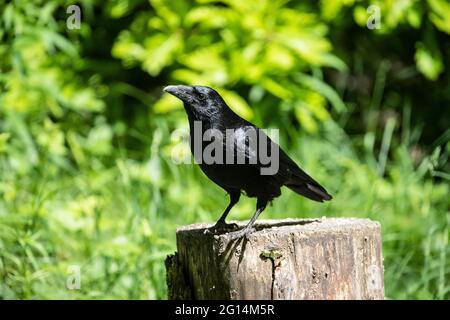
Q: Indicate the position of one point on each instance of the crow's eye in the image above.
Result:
(201, 96)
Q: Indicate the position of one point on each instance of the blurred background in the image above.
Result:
(87, 179)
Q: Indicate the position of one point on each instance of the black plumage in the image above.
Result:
(206, 106)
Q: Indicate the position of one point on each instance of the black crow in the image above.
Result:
(237, 165)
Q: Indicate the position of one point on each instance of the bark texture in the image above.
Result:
(328, 258)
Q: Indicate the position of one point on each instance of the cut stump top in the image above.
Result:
(280, 226)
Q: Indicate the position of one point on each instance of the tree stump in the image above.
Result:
(328, 258)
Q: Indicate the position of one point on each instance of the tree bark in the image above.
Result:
(328, 258)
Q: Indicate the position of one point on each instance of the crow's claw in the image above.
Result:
(221, 228)
(245, 232)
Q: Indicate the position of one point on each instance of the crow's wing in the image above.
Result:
(248, 141)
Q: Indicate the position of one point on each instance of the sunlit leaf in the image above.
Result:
(323, 88)
(167, 103)
(429, 63)
(237, 103)
(4, 141)
(276, 88)
(440, 14)
(160, 52)
(305, 118)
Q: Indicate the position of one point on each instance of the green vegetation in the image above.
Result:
(86, 135)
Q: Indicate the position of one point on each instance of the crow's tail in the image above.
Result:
(308, 187)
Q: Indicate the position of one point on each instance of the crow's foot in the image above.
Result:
(245, 232)
(221, 227)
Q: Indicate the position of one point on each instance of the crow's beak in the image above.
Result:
(180, 91)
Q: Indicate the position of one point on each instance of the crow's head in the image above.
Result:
(200, 101)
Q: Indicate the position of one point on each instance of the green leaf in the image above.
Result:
(305, 119)
(208, 17)
(323, 88)
(190, 77)
(308, 46)
(166, 10)
(276, 88)
(428, 62)
(52, 38)
(8, 16)
(330, 60)
(205, 58)
(4, 137)
(160, 52)
(167, 103)
(331, 8)
(237, 103)
(440, 14)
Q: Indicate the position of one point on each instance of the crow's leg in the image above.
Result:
(221, 225)
(260, 206)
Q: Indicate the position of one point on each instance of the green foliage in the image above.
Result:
(87, 138)
(43, 99)
(258, 44)
(399, 14)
